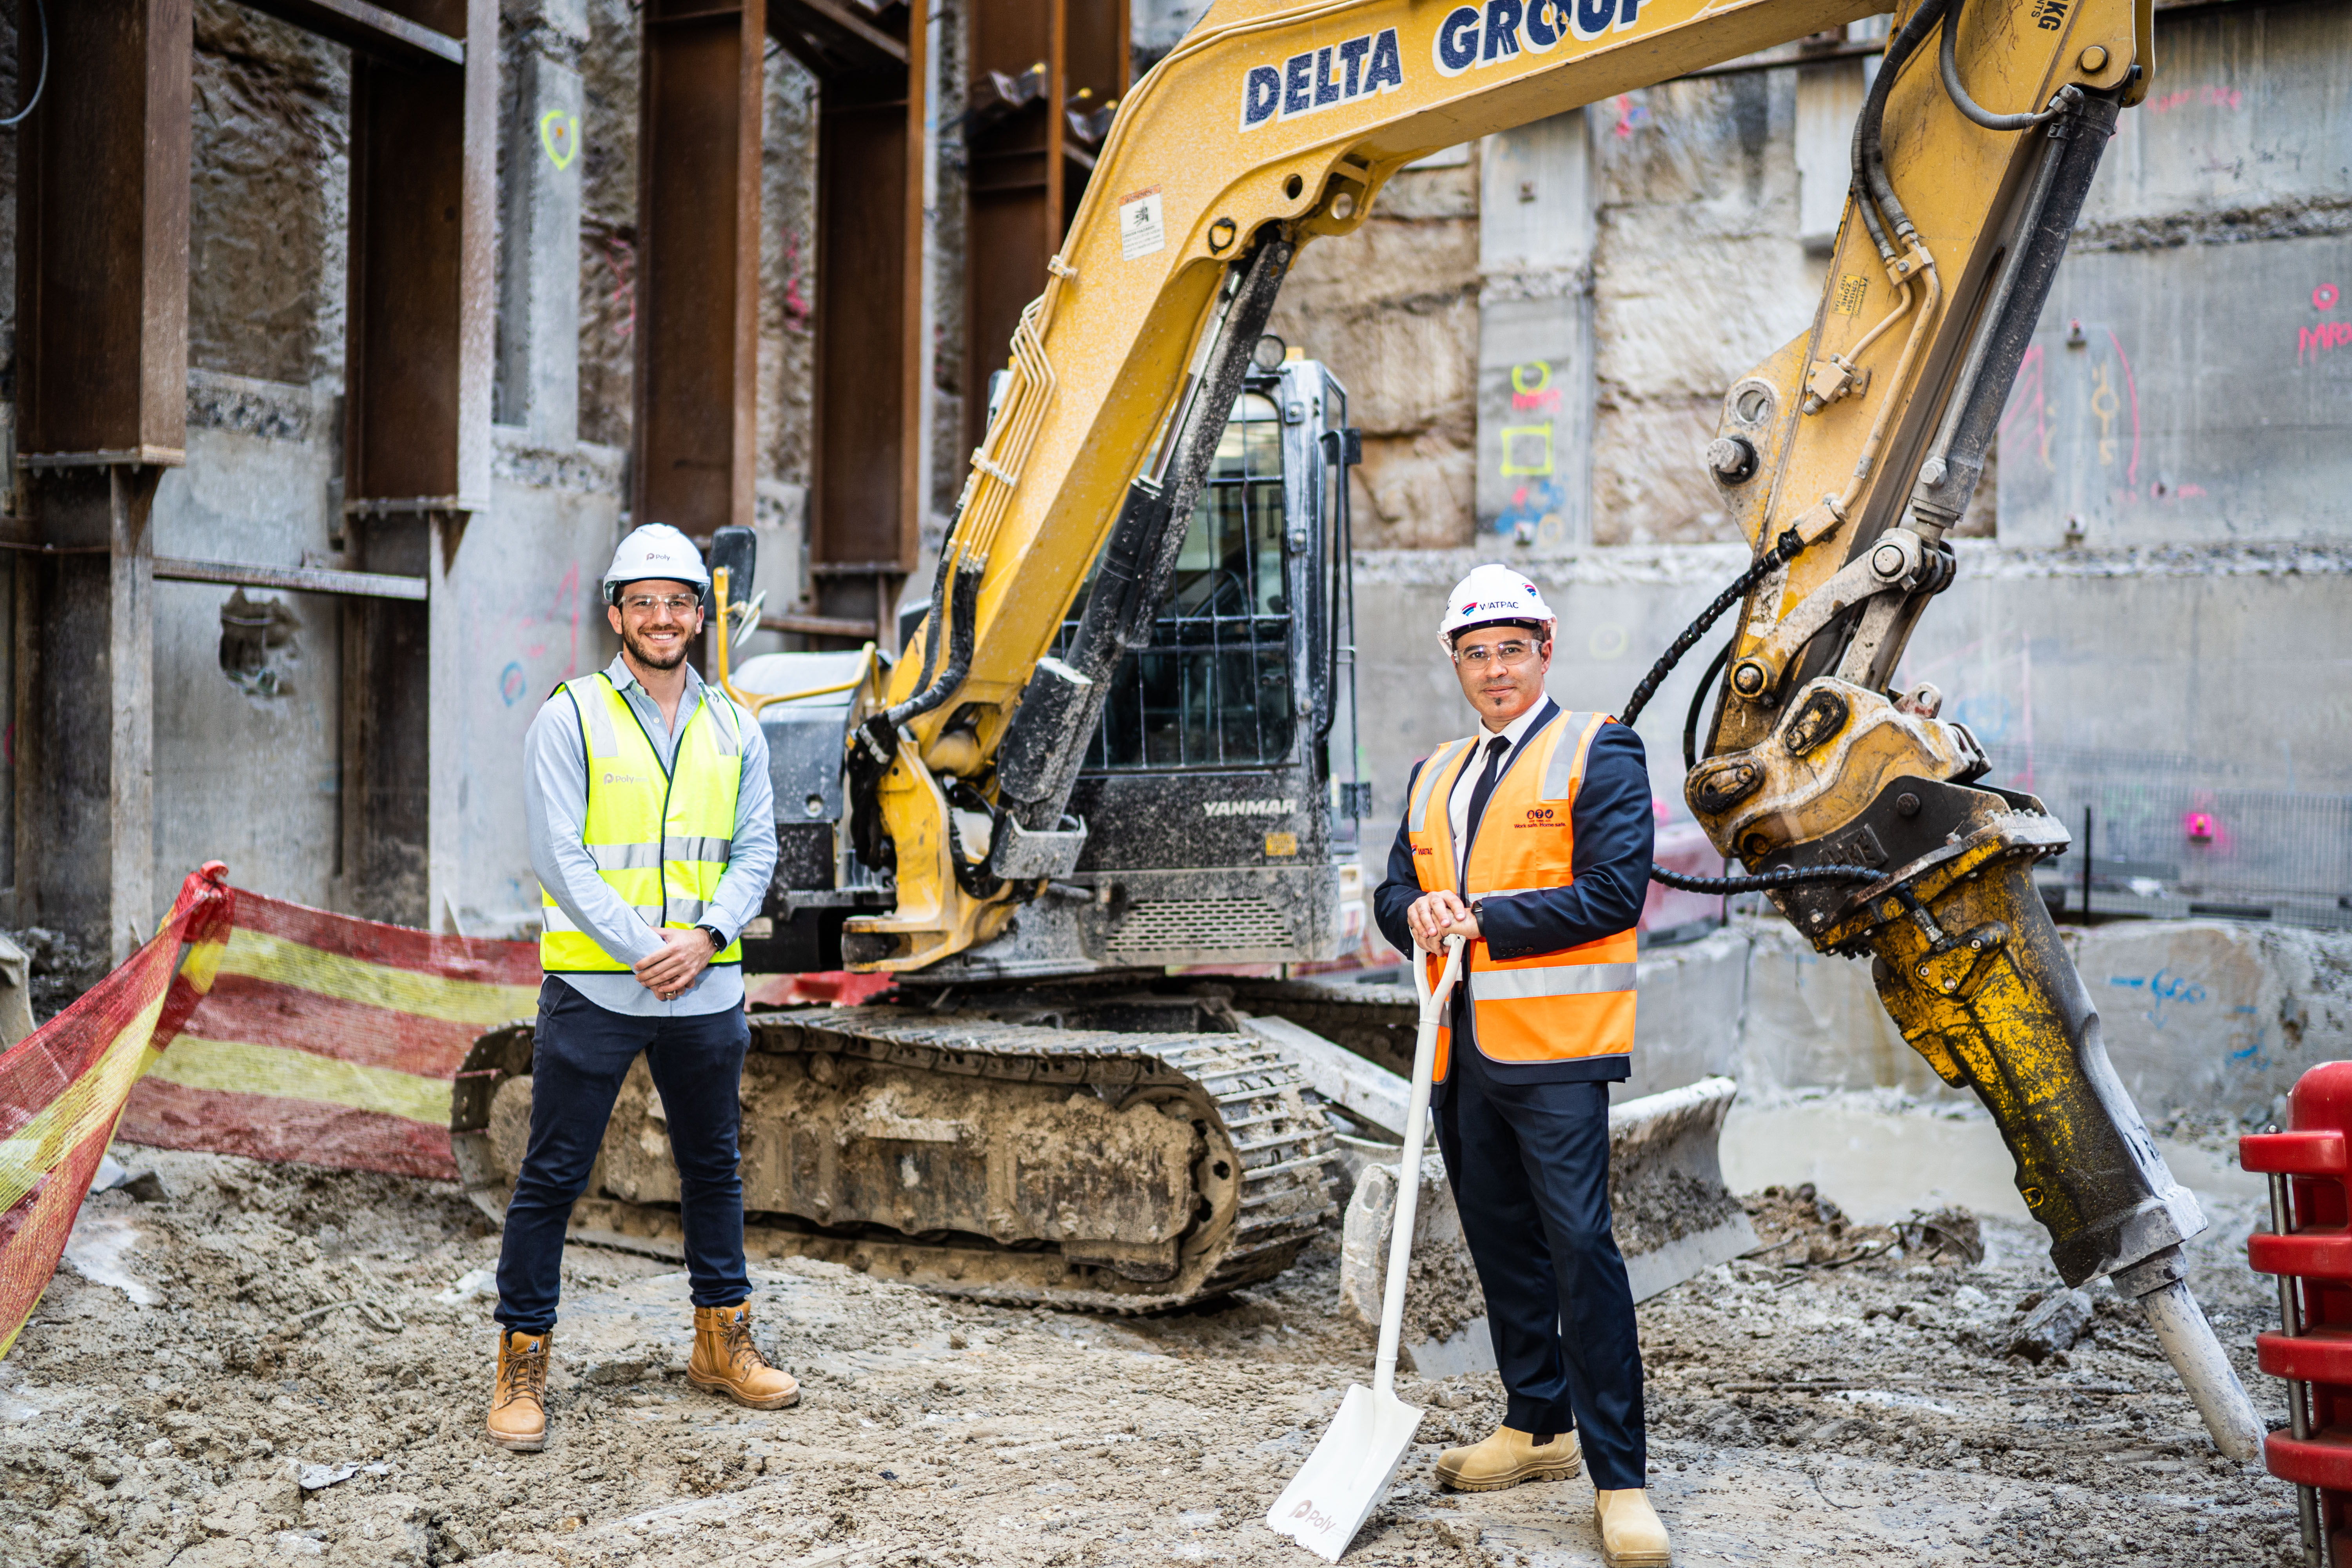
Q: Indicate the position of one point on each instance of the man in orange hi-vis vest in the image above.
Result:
(1531, 839)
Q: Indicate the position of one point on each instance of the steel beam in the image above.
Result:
(417, 447)
(368, 28)
(700, 97)
(102, 356)
(866, 507)
(1040, 71)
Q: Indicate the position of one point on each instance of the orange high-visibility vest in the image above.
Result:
(1556, 1006)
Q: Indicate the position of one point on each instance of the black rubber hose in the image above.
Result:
(1947, 60)
(1698, 705)
(1870, 129)
(1783, 551)
(1786, 876)
(964, 603)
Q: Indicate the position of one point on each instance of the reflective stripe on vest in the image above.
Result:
(660, 839)
(1556, 1007)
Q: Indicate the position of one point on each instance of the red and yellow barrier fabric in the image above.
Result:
(330, 1040)
(62, 1087)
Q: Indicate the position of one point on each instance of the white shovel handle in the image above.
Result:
(1416, 1133)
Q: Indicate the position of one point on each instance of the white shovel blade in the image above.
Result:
(1346, 1477)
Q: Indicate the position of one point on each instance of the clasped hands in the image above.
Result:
(684, 954)
(1433, 916)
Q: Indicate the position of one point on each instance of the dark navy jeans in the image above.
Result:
(1529, 1167)
(582, 1054)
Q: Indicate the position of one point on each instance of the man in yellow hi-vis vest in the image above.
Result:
(652, 833)
(1531, 840)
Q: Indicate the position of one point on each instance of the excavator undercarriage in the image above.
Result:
(1105, 1147)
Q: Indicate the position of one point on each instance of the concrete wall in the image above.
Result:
(2208, 1023)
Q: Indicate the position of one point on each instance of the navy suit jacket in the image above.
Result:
(1615, 835)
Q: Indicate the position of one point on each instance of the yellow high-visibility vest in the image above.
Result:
(660, 839)
(1556, 1007)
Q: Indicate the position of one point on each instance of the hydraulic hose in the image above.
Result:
(1948, 60)
(1870, 151)
(1783, 551)
(1786, 876)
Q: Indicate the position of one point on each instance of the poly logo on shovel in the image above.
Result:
(1315, 1521)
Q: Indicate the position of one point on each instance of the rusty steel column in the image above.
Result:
(102, 372)
(865, 516)
(694, 438)
(1044, 76)
(417, 449)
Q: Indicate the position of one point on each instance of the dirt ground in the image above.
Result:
(182, 1398)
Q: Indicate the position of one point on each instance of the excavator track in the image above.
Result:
(1013, 1159)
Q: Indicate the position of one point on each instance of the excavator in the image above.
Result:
(1120, 744)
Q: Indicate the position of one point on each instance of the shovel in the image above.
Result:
(1350, 1471)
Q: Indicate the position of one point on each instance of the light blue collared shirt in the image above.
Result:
(555, 811)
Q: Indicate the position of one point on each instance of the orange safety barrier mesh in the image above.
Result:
(62, 1087)
(330, 1040)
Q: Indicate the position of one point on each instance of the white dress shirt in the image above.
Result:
(1457, 805)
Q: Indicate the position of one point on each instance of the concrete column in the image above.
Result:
(1535, 335)
(539, 239)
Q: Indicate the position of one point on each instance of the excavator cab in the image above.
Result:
(1222, 790)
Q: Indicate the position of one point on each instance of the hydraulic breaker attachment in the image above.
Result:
(1969, 963)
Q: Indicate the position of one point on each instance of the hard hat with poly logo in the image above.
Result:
(657, 551)
(1491, 594)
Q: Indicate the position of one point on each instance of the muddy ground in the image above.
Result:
(1861, 1411)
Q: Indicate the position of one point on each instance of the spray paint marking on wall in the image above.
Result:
(2312, 341)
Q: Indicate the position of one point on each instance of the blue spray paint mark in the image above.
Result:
(511, 683)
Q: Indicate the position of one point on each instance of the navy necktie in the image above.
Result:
(1496, 750)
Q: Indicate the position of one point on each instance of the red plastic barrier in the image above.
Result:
(2310, 1249)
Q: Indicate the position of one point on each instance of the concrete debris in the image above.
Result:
(96, 1250)
(472, 1283)
(143, 1184)
(2053, 1326)
(1858, 1413)
(318, 1478)
(1950, 1227)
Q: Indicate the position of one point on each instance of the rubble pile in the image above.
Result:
(304, 1384)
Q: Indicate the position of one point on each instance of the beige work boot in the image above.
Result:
(726, 1362)
(1506, 1459)
(518, 1403)
(1632, 1535)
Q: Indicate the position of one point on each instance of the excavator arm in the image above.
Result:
(1846, 458)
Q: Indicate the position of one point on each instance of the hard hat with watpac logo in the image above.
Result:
(1493, 594)
(655, 551)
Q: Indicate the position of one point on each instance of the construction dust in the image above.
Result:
(265, 1364)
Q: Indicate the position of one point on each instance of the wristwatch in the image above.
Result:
(1478, 910)
(718, 938)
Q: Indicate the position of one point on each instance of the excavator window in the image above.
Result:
(1213, 689)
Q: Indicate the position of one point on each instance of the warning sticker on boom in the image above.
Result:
(1140, 230)
(1851, 288)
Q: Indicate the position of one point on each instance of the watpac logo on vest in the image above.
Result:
(1475, 36)
(1322, 78)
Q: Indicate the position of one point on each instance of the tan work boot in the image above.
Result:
(518, 1403)
(726, 1362)
(1506, 1459)
(1632, 1535)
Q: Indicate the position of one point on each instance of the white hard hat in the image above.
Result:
(1490, 594)
(655, 551)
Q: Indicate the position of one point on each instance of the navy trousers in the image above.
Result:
(582, 1054)
(1529, 1167)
